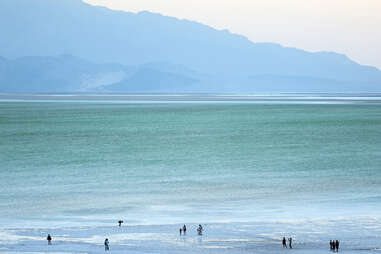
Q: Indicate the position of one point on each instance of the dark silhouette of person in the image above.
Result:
(333, 245)
(284, 242)
(330, 245)
(290, 242)
(181, 230)
(120, 223)
(199, 229)
(49, 238)
(184, 229)
(107, 245)
(337, 245)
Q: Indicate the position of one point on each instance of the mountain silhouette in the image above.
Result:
(213, 60)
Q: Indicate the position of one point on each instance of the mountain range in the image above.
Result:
(54, 46)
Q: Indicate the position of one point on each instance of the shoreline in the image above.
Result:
(231, 238)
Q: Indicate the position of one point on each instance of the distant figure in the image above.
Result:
(120, 223)
(199, 229)
(49, 238)
(333, 245)
(284, 242)
(337, 245)
(181, 230)
(184, 229)
(107, 245)
(290, 242)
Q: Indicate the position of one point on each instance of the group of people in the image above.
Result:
(284, 242)
(183, 230)
(334, 245)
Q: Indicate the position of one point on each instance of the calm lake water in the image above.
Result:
(289, 167)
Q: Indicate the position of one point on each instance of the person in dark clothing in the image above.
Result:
(184, 229)
(199, 229)
(49, 238)
(181, 230)
(333, 245)
(330, 244)
(284, 242)
(290, 242)
(107, 245)
(337, 245)
(120, 223)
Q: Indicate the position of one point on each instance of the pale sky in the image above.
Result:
(351, 27)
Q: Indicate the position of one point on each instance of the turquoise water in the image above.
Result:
(77, 163)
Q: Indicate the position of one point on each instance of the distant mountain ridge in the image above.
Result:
(196, 58)
(65, 74)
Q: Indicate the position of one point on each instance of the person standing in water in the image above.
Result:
(181, 230)
(290, 242)
(120, 223)
(330, 245)
(184, 229)
(49, 238)
(199, 230)
(337, 245)
(284, 242)
(107, 245)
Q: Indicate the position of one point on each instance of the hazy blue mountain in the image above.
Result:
(66, 73)
(219, 60)
(56, 74)
(152, 81)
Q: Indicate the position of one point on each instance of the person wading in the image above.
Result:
(284, 242)
(49, 238)
(200, 229)
(107, 245)
(290, 242)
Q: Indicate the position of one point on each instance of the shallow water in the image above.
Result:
(252, 172)
(308, 237)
